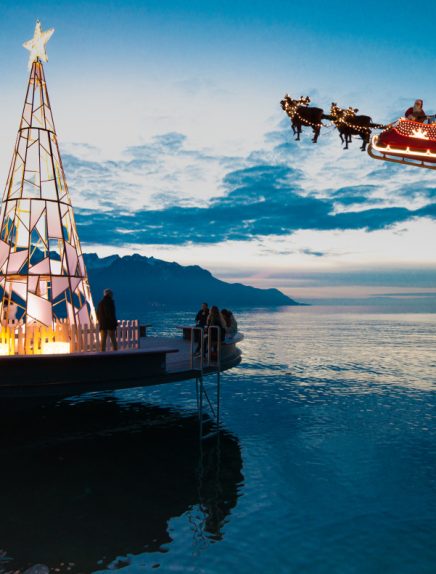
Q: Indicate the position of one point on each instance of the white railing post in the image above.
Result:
(199, 343)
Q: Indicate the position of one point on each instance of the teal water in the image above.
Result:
(326, 463)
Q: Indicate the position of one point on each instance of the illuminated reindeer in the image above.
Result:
(349, 124)
(303, 115)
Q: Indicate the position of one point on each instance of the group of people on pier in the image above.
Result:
(205, 318)
(213, 317)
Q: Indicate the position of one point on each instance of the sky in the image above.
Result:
(175, 145)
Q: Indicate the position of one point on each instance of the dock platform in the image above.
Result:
(158, 360)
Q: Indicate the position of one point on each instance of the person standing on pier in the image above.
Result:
(107, 320)
(202, 315)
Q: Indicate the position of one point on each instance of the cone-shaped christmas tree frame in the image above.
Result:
(43, 278)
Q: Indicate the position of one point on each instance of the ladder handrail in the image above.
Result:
(193, 330)
(199, 381)
(218, 345)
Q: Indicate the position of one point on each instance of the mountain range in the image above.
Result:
(139, 281)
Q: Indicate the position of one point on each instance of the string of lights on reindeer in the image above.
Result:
(291, 108)
(339, 117)
(292, 111)
(406, 141)
(350, 113)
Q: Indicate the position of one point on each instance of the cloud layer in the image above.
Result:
(261, 202)
(164, 193)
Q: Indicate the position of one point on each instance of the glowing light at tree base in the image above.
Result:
(35, 339)
(56, 347)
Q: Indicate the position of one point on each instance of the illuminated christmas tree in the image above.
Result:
(43, 280)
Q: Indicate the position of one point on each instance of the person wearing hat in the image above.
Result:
(415, 112)
(107, 320)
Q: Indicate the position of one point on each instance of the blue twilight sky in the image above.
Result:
(175, 145)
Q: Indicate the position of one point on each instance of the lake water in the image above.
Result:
(326, 462)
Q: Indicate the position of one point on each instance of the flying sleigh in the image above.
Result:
(407, 142)
(404, 141)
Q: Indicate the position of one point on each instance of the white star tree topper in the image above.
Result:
(37, 44)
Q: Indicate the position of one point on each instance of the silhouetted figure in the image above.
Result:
(107, 320)
(215, 319)
(202, 315)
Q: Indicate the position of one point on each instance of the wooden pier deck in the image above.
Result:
(159, 360)
(180, 361)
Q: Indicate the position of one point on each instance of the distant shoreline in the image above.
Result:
(146, 282)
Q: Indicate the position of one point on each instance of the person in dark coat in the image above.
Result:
(202, 315)
(107, 320)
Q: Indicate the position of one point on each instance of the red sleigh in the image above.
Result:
(407, 142)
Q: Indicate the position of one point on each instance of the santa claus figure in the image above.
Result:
(415, 112)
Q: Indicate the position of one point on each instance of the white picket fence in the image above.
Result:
(36, 339)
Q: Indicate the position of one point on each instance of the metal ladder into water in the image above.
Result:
(210, 367)
(208, 399)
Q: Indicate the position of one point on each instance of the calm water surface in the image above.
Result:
(326, 464)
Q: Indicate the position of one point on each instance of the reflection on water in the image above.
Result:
(334, 414)
(85, 484)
